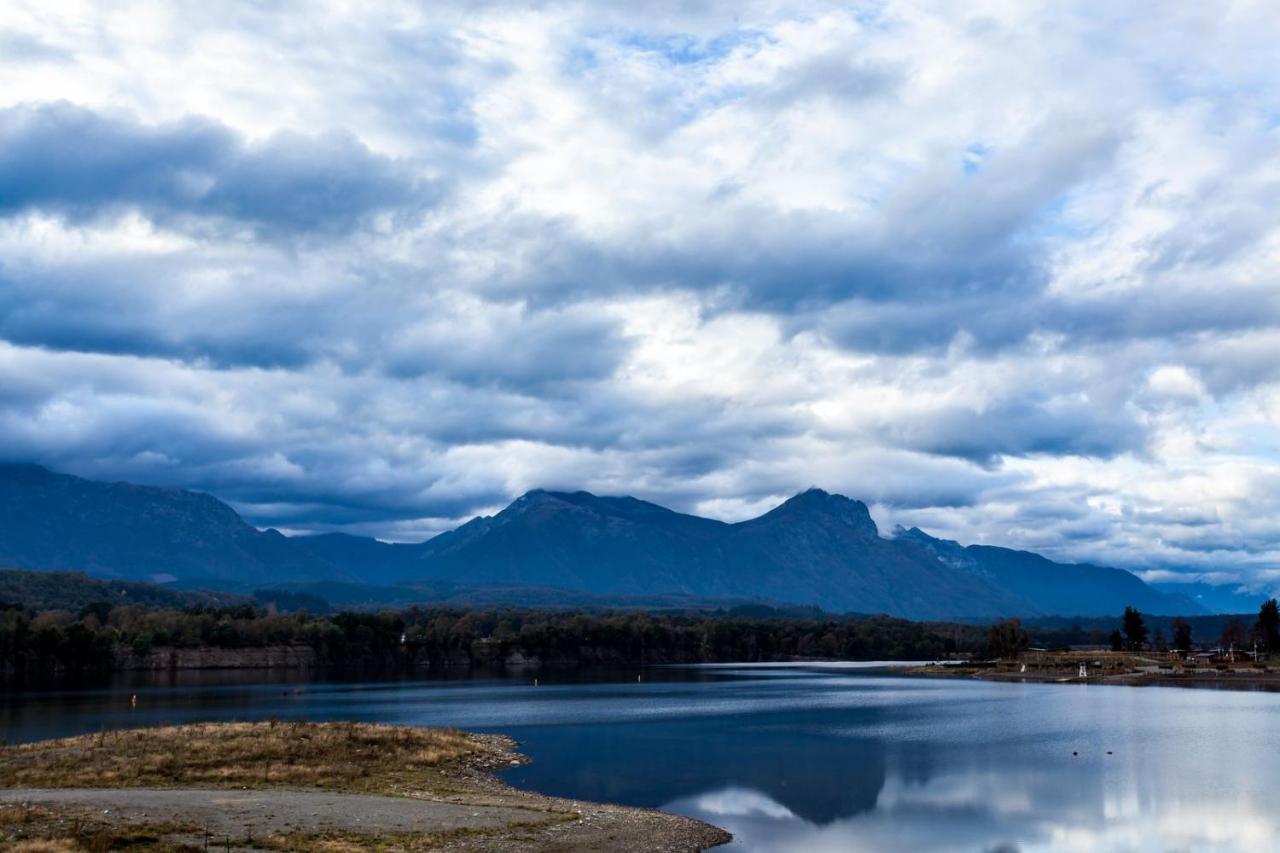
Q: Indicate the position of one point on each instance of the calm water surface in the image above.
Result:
(815, 758)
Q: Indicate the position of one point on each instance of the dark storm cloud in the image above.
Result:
(992, 320)
(102, 416)
(126, 307)
(510, 347)
(1028, 425)
(80, 164)
(358, 321)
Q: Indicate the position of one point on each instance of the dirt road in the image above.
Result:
(243, 814)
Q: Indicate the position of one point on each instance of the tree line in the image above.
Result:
(105, 635)
(1008, 638)
(1133, 634)
(102, 636)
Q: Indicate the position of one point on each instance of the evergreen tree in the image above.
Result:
(1135, 629)
(1182, 635)
(1267, 629)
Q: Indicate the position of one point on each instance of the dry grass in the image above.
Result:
(336, 756)
(34, 829)
(351, 842)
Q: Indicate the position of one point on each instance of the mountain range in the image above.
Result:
(815, 549)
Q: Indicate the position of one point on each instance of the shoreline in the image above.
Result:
(1038, 672)
(1243, 679)
(303, 786)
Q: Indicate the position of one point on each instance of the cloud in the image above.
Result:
(1029, 425)
(509, 344)
(23, 47)
(79, 164)
(1005, 272)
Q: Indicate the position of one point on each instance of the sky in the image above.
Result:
(1008, 271)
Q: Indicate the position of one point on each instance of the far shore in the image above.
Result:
(1154, 669)
(305, 786)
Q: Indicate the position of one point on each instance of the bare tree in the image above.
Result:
(1007, 639)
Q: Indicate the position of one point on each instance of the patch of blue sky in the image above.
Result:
(874, 15)
(973, 157)
(1224, 96)
(676, 49)
(579, 60)
(1053, 221)
(683, 49)
(690, 111)
(1257, 442)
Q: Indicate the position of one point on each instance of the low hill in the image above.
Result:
(1216, 598)
(120, 530)
(1076, 588)
(75, 591)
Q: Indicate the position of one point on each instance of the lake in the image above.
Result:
(810, 757)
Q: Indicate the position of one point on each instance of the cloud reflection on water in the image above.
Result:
(805, 759)
(988, 812)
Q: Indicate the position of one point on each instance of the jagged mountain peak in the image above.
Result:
(607, 506)
(579, 498)
(817, 503)
(915, 534)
